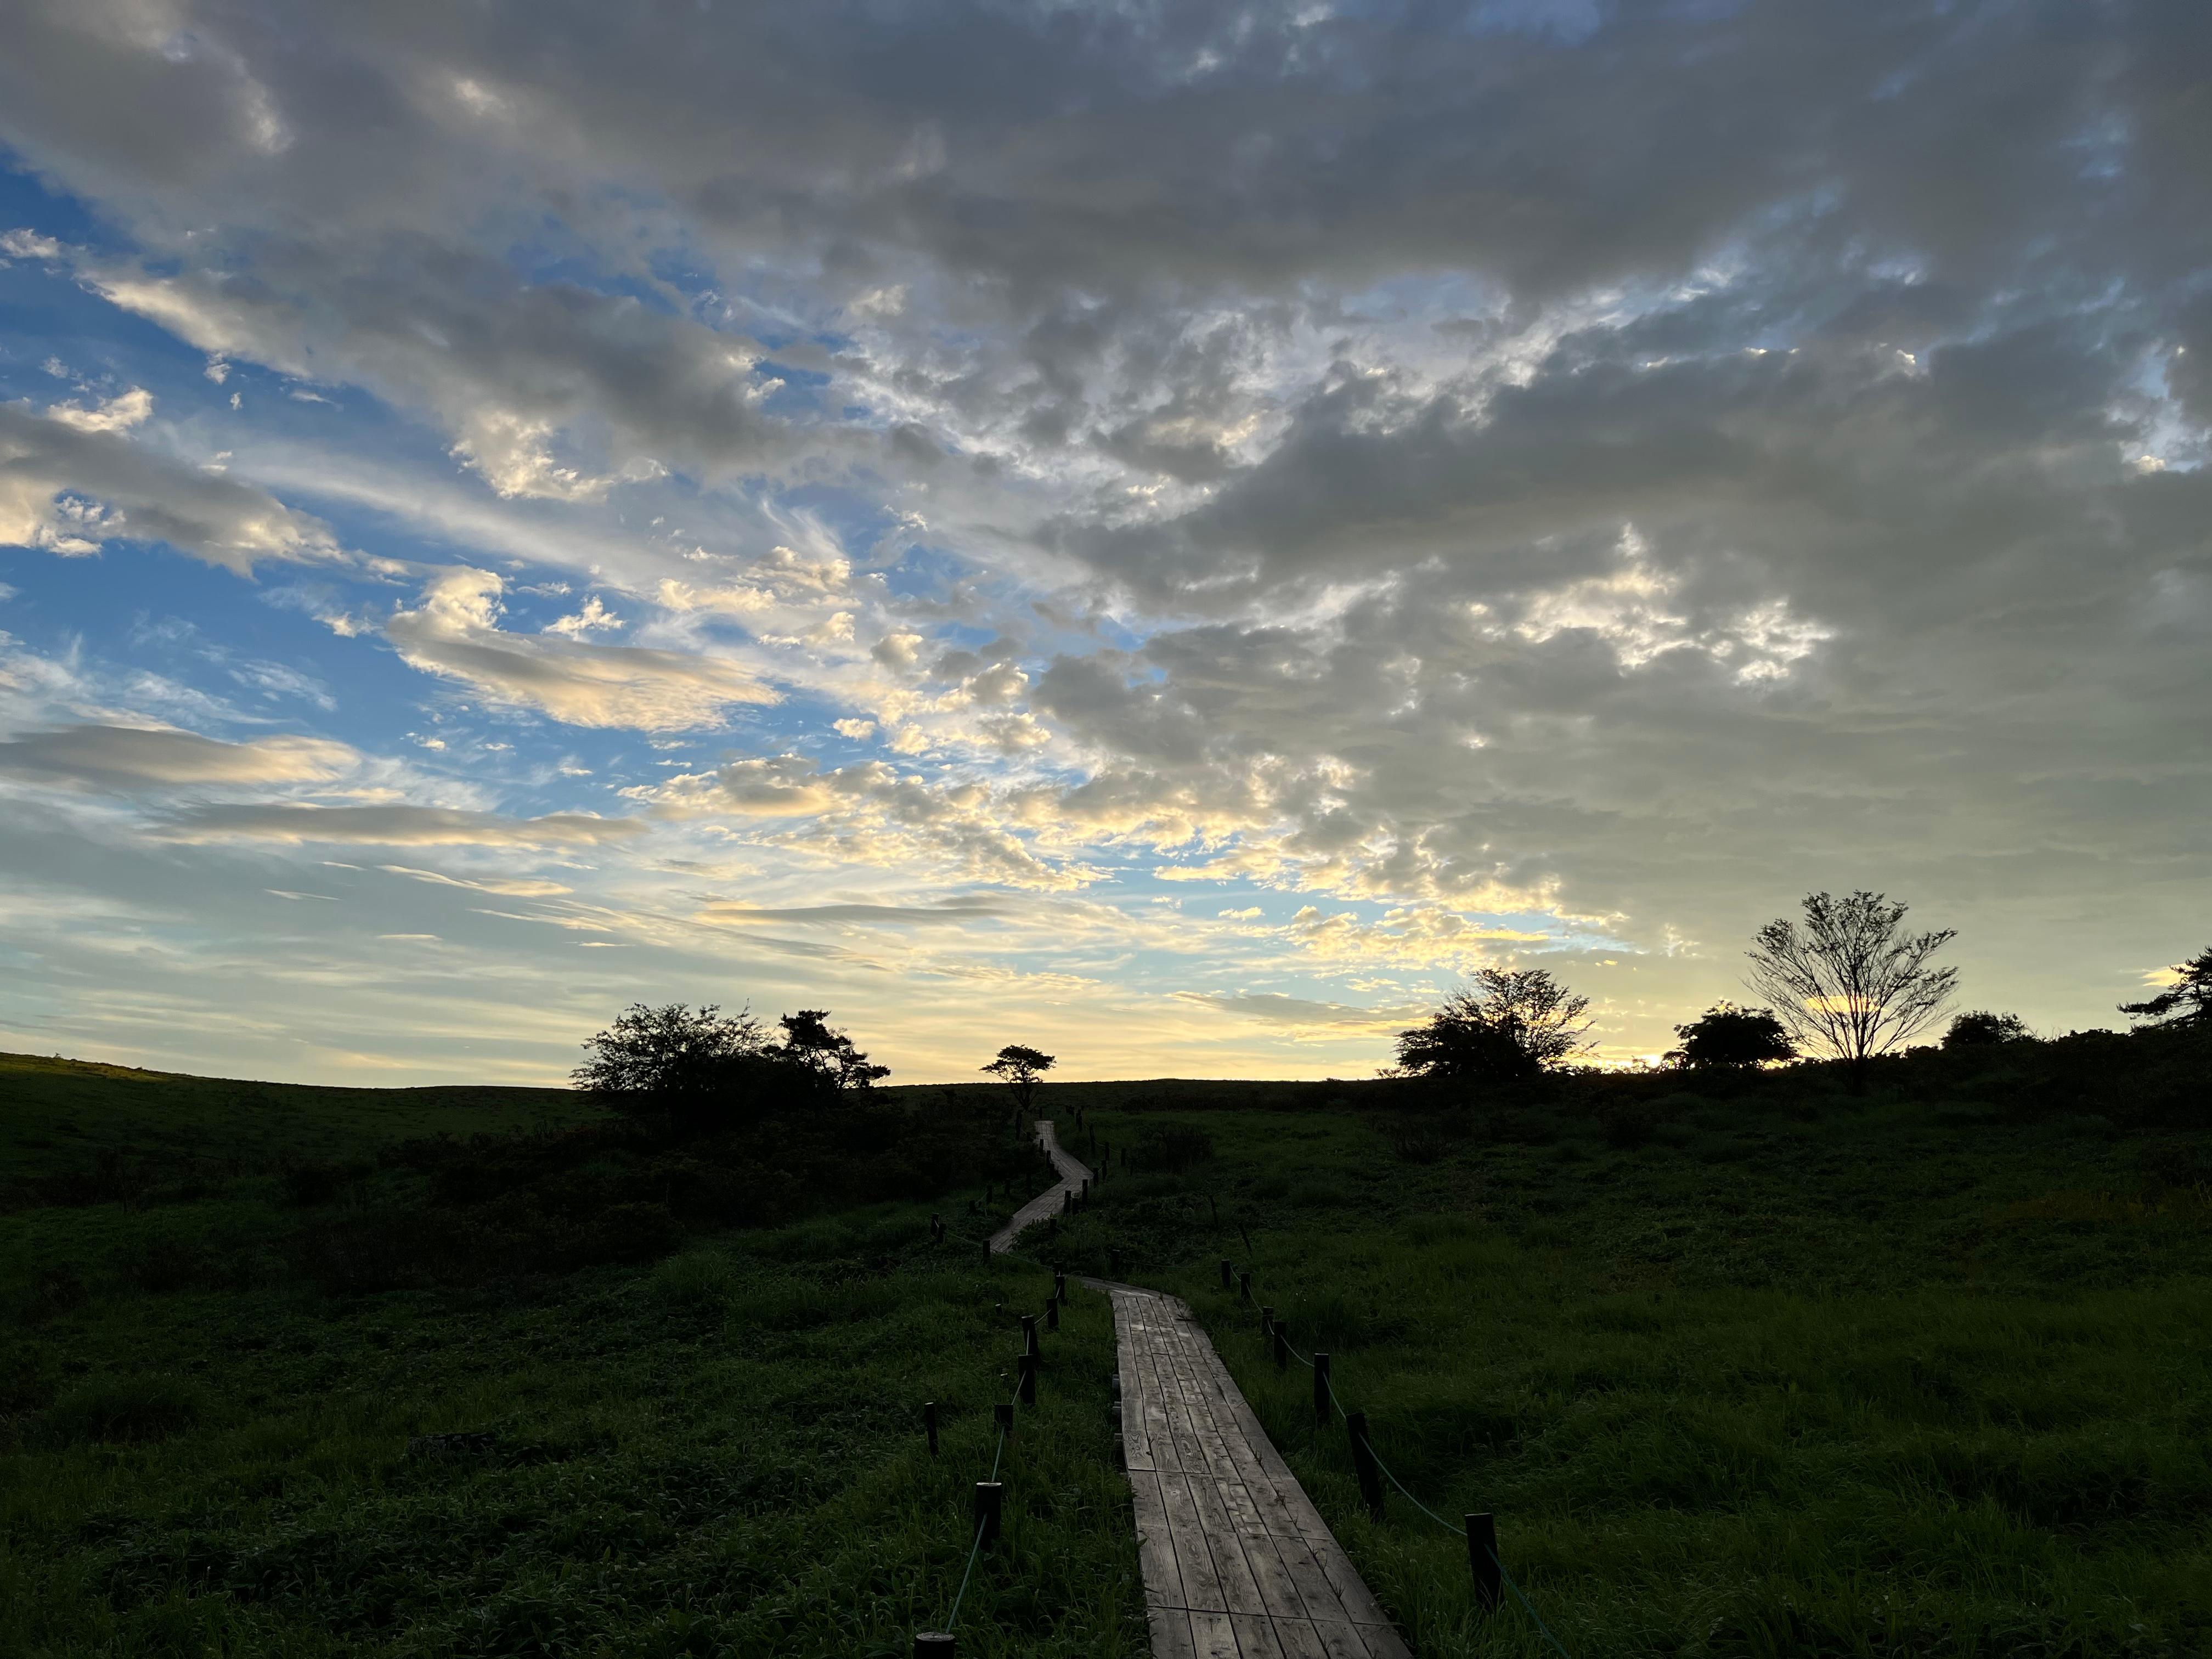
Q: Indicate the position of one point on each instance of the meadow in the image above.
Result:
(1742, 1366)
(1792, 1372)
(203, 1452)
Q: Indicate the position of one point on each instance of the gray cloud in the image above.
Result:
(394, 826)
(1642, 470)
(70, 487)
(127, 758)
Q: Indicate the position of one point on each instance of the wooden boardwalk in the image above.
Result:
(1237, 1562)
(1073, 1175)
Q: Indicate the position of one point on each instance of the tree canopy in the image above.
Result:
(2187, 1001)
(1727, 1035)
(702, 1069)
(1019, 1069)
(1981, 1028)
(1505, 1025)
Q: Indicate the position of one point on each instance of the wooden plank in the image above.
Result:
(1201, 1585)
(1238, 1588)
(1255, 1638)
(1301, 1640)
(1155, 1548)
(1279, 1591)
(1212, 1636)
(1171, 1631)
(1383, 1641)
(1340, 1641)
(1313, 1585)
(1238, 1564)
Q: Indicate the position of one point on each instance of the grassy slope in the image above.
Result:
(718, 1456)
(1898, 1380)
(1799, 1377)
(58, 1114)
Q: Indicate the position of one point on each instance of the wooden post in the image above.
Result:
(1228, 1274)
(1282, 1347)
(1060, 1287)
(1028, 1370)
(1364, 1463)
(1244, 1281)
(986, 1252)
(1267, 1320)
(929, 1423)
(1121, 1451)
(1321, 1388)
(1113, 1260)
(934, 1644)
(1052, 1226)
(1214, 1205)
(1482, 1557)
(989, 1496)
(1030, 1335)
(1051, 1316)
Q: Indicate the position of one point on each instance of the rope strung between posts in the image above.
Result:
(1504, 1578)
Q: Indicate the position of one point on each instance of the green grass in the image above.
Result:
(1796, 1375)
(721, 1454)
(1837, 1378)
(60, 1115)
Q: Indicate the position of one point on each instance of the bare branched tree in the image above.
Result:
(1853, 983)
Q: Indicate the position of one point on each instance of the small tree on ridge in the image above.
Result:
(1019, 1068)
(1853, 983)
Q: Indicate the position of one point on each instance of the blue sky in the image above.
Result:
(1167, 536)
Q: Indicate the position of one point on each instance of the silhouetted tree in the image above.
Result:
(830, 1055)
(2187, 1001)
(1983, 1029)
(696, 1067)
(1727, 1035)
(1506, 1025)
(1019, 1068)
(1853, 983)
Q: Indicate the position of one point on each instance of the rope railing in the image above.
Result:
(1480, 1530)
(990, 1493)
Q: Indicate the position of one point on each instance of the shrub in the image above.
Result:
(124, 1408)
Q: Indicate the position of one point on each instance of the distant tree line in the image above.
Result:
(1847, 982)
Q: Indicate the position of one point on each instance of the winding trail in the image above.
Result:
(1237, 1562)
(1073, 1175)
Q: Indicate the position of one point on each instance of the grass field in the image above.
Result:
(1741, 1371)
(200, 1454)
(1847, 1378)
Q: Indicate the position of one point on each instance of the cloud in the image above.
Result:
(506, 887)
(946, 912)
(394, 826)
(454, 632)
(1298, 1012)
(71, 486)
(117, 414)
(869, 813)
(135, 757)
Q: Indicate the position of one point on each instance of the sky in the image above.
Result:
(1169, 534)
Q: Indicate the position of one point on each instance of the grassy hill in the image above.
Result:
(1743, 1365)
